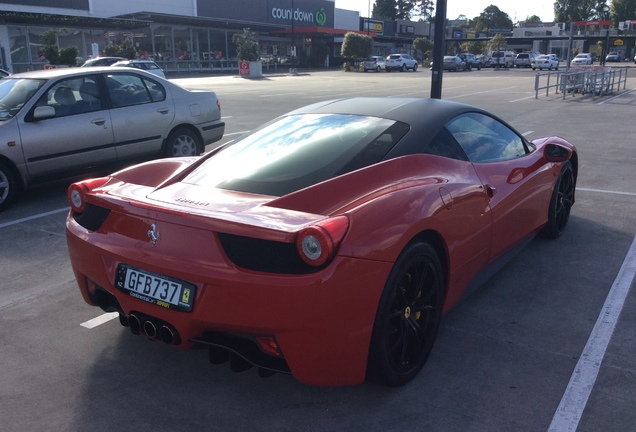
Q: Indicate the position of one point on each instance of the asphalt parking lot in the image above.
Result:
(546, 344)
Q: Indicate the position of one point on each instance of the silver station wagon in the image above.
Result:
(63, 121)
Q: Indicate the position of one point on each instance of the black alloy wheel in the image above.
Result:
(561, 202)
(408, 316)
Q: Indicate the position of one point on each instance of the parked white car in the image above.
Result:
(401, 62)
(546, 61)
(582, 59)
(375, 63)
(147, 65)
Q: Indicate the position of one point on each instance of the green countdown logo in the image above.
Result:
(321, 17)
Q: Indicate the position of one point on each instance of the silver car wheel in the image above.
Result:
(7, 185)
(183, 142)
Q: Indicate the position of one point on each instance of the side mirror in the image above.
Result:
(43, 112)
(556, 153)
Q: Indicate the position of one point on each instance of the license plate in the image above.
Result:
(160, 290)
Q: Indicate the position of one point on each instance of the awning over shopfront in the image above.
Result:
(45, 20)
(319, 31)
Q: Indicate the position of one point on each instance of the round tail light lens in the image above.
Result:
(317, 244)
(77, 192)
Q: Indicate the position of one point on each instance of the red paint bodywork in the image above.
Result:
(322, 321)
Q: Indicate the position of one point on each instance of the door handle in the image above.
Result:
(163, 110)
(99, 122)
(490, 190)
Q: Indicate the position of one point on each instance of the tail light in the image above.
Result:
(317, 244)
(77, 192)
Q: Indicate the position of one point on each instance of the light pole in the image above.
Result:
(368, 17)
(293, 41)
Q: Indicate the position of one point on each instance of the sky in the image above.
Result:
(517, 10)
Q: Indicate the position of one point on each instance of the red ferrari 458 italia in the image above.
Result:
(326, 244)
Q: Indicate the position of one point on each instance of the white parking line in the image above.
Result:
(29, 218)
(235, 133)
(103, 318)
(616, 97)
(606, 191)
(570, 410)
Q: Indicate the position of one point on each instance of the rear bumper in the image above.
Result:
(322, 322)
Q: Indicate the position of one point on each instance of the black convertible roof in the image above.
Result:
(429, 114)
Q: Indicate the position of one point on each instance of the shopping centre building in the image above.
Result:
(193, 34)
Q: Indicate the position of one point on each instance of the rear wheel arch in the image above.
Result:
(409, 311)
(437, 242)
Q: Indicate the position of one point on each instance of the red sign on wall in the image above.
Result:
(244, 68)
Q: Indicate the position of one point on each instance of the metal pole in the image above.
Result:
(293, 48)
(368, 17)
(438, 49)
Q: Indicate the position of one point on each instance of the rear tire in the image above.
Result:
(8, 185)
(408, 316)
(404, 68)
(183, 142)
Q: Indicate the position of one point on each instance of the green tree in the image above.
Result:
(125, 49)
(532, 19)
(55, 56)
(425, 9)
(474, 47)
(568, 11)
(622, 10)
(424, 46)
(492, 18)
(384, 9)
(497, 43)
(602, 10)
(403, 9)
(357, 46)
(246, 45)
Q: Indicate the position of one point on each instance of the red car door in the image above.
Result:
(519, 191)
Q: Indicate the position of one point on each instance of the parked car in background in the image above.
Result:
(375, 63)
(582, 59)
(277, 251)
(502, 59)
(546, 61)
(453, 63)
(613, 56)
(470, 60)
(101, 61)
(64, 121)
(525, 59)
(147, 65)
(401, 62)
(484, 60)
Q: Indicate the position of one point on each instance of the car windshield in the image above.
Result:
(15, 93)
(298, 151)
(543, 57)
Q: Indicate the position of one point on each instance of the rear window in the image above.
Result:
(394, 57)
(522, 56)
(296, 152)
